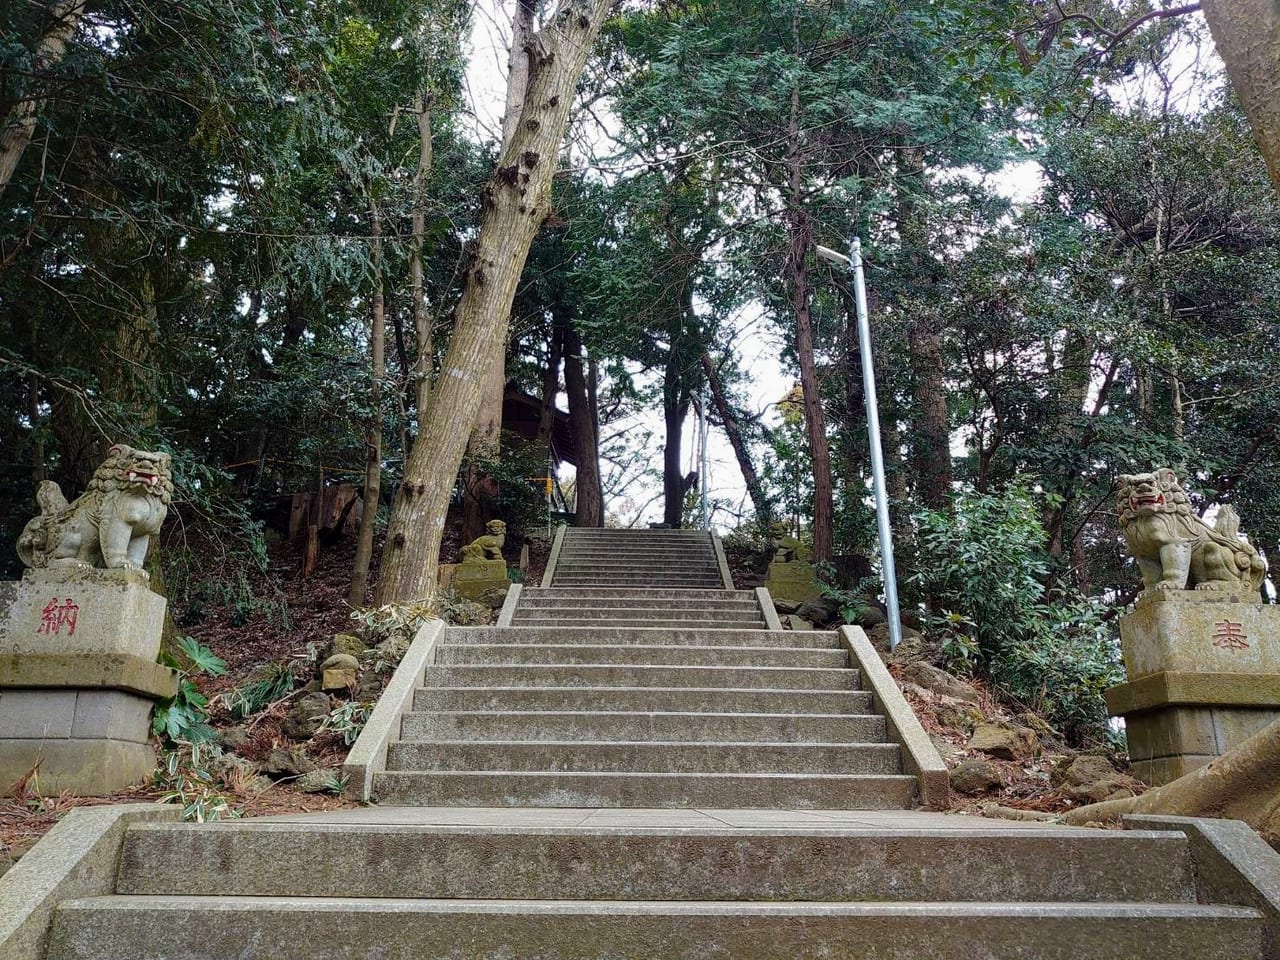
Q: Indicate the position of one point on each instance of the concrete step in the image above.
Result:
(628, 699)
(646, 654)
(261, 858)
(657, 757)
(643, 726)
(640, 675)
(599, 578)
(216, 928)
(629, 560)
(531, 600)
(638, 593)
(672, 555)
(672, 622)
(651, 790)
(731, 616)
(701, 637)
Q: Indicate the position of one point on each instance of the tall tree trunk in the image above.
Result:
(373, 430)
(418, 226)
(551, 385)
(590, 497)
(675, 406)
(21, 122)
(515, 201)
(733, 430)
(1247, 34)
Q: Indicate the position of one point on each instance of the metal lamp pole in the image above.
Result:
(854, 262)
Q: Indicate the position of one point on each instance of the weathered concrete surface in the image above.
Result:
(509, 605)
(1166, 688)
(1046, 864)
(81, 670)
(919, 755)
(770, 612)
(591, 674)
(79, 857)
(553, 560)
(187, 928)
(640, 654)
(1232, 865)
(490, 788)
(703, 635)
(369, 753)
(654, 699)
(115, 612)
(87, 767)
(722, 562)
(1202, 632)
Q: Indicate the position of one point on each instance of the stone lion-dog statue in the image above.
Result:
(488, 547)
(111, 524)
(1174, 548)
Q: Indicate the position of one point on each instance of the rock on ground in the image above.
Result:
(1006, 741)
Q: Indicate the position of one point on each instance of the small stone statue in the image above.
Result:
(111, 524)
(1174, 548)
(488, 547)
(786, 548)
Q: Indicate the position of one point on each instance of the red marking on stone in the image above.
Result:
(1230, 635)
(56, 615)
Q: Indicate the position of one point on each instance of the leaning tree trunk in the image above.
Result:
(373, 429)
(675, 405)
(21, 122)
(515, 201)
(733, 430)
(1247, 33)
(1242, 784)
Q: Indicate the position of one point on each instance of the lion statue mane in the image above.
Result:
(111, 524)
(488, 547)
(1174, 548)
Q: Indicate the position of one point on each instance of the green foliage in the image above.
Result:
(184, 717)
(185, 778)
(995, 609)
(271, 683)
(348, 720)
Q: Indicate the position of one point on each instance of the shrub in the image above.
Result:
(995, 610)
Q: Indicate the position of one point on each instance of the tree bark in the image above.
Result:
(421, 316)
(675, 406)
(373, 430)
(590, 496)
(21, 123)
(515, 201)
(1247, 34)
(733, 430)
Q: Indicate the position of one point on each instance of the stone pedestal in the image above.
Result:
(78, 679)
(474, 578)
(1204, 675)
(794, 580)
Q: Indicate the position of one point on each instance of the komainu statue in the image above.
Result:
(786, 548)
(488, 547)
(1174, 548)
(111, 524)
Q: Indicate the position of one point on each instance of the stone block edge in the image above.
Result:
(1193, 689)
(79, 857)
(919, 756)
(88, 671)
(368, 754)
(1233, 865)
(556, 546)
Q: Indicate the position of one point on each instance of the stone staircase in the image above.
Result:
(636, 771)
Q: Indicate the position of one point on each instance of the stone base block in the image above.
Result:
(71, 609)
(477, 577)
(74, 715)
(1200, 632)
(792, 581)
(83, 767)
(1167, 769)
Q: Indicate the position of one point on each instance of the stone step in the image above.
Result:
(674, 622)
(628, 699)
(216, 928)
(638, 593)
(631, 559)
(643, 726)
(640, 675)
(665, 654)
(451, 788)
(836, 863)
(725, 620)
(656, 757)
(535, 600)
(701, 637)
(640, 571)
(641, 611)
(604, 579)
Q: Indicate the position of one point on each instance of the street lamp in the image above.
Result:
(854, 263)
